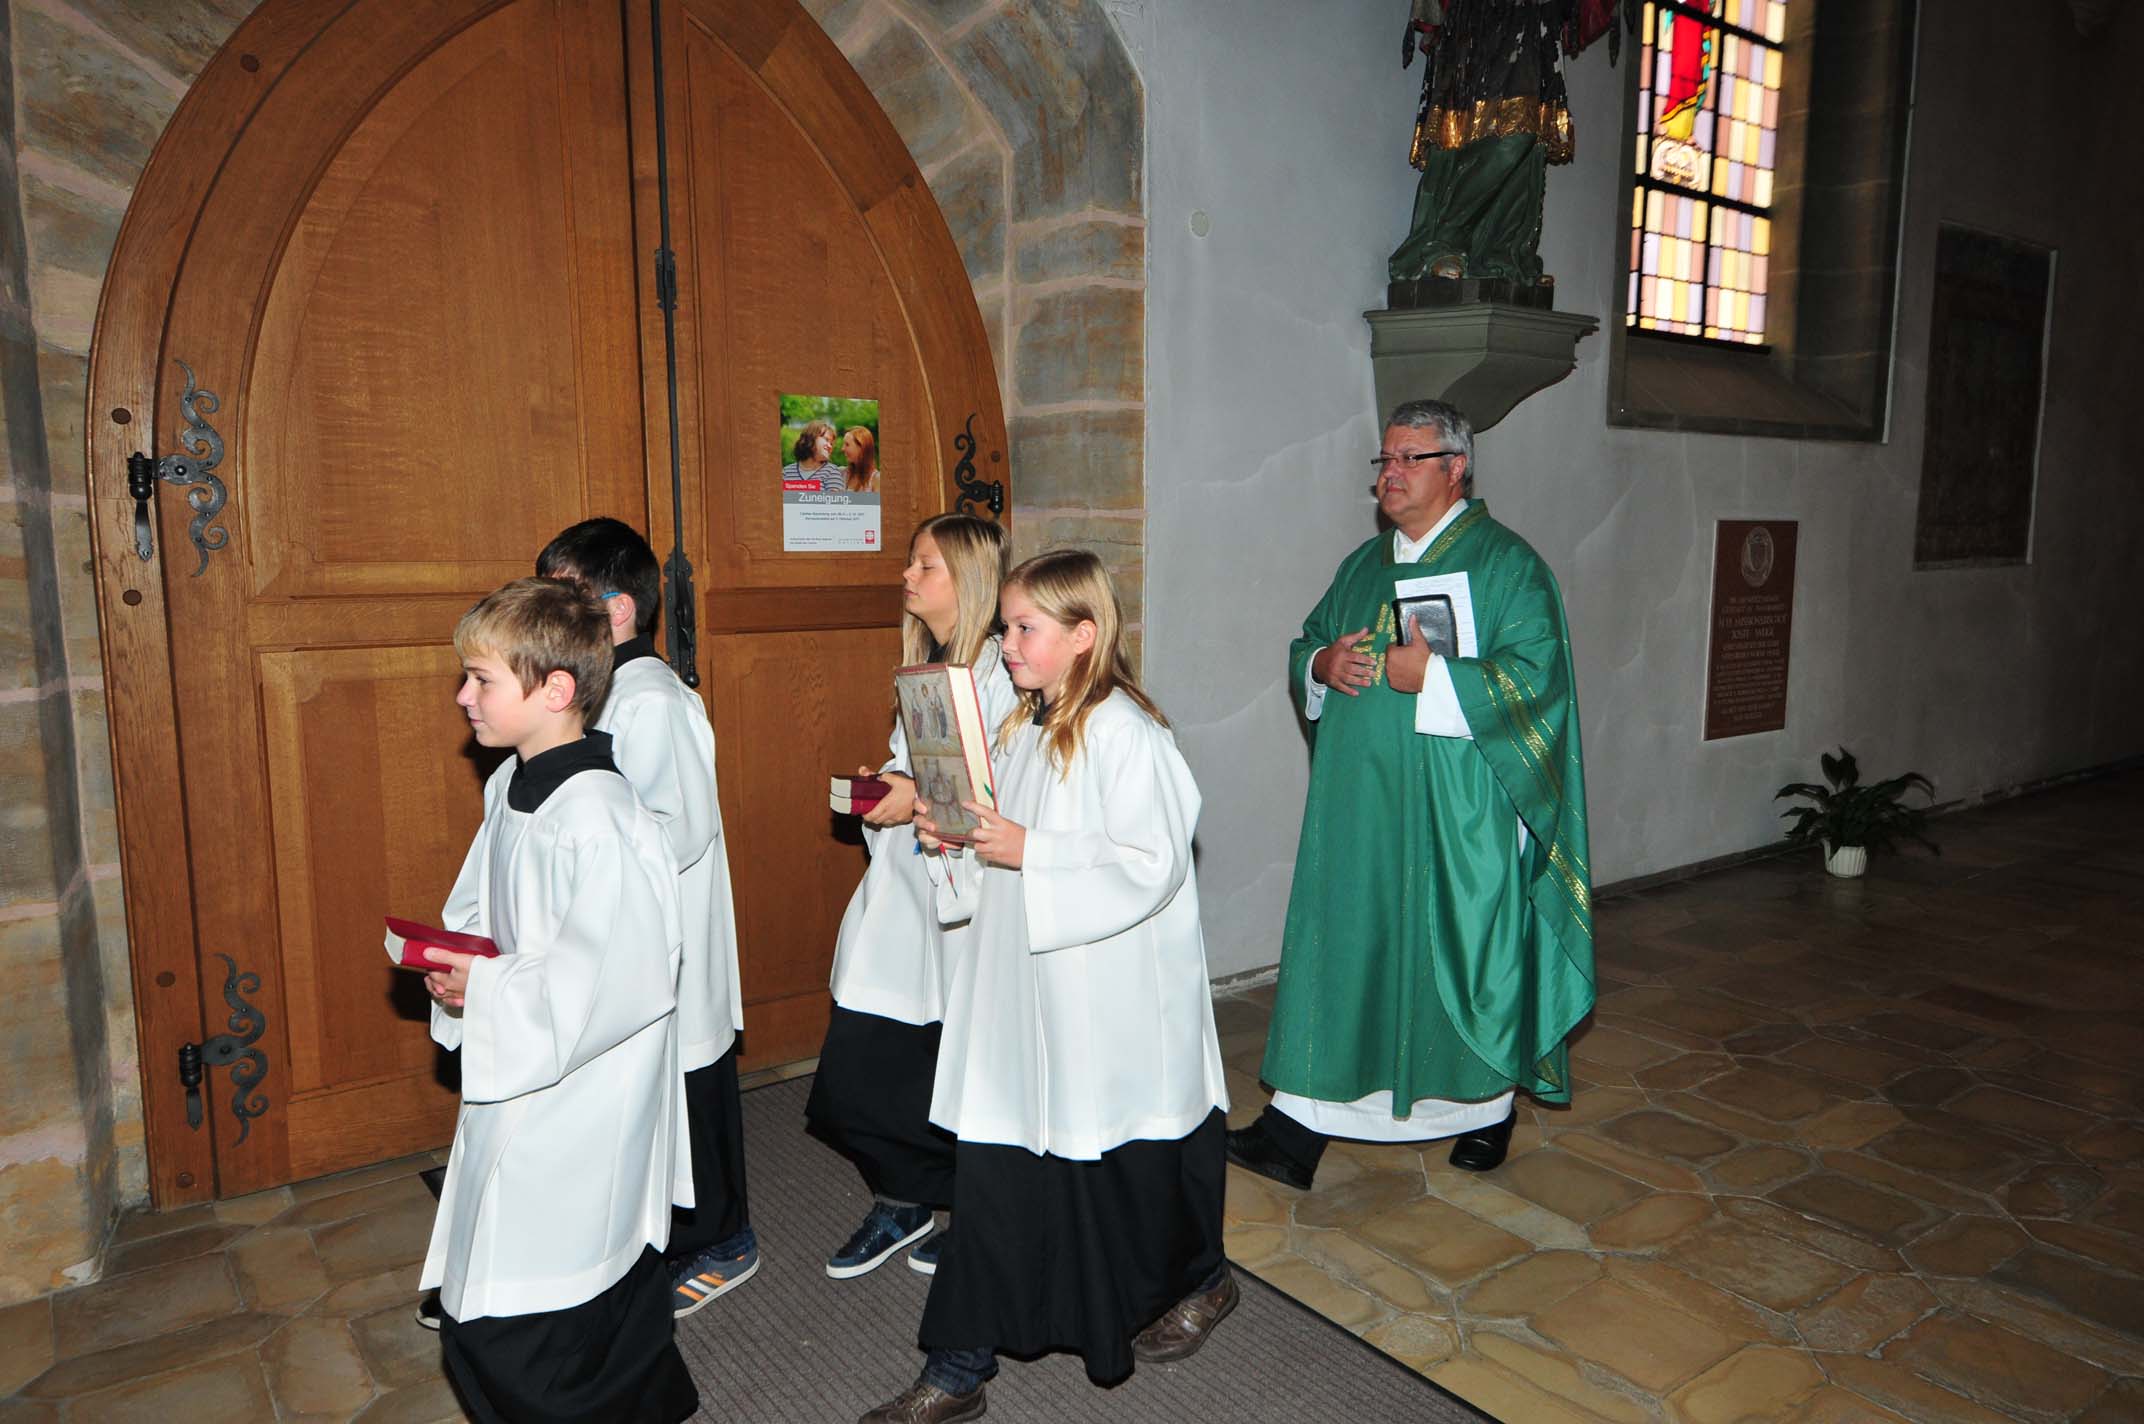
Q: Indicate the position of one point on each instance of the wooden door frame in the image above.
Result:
(121, 416)
(173, 1004)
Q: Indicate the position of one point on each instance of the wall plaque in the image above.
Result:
(1752, 627)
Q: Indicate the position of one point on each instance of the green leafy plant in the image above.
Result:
(1847, 813)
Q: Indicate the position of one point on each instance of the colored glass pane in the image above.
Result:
(1705, 153)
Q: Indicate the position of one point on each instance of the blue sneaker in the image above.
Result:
(924, 1259)
(886, 1229)
(697, 1280)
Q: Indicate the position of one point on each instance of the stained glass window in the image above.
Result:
(1708, 124)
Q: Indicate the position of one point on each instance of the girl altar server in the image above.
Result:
(871, 1098)
(1079, 1071)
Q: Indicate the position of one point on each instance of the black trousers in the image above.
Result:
(612, 1358)
(715, 1114)
(1305, 1145)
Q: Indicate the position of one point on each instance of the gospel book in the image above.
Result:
(407, 941)
(1442, 607)
(1427, 616)
(948, 749)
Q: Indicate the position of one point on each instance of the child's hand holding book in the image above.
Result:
(898, 805)
(995, 840)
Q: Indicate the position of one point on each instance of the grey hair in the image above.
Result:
(1451, 427)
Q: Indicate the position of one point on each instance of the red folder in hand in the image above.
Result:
(407, 941)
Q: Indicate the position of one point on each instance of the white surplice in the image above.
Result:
(1079, 1016)
(664, 746)
(571, 1143)
(893, 958)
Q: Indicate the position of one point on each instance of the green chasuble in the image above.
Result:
(1425, 952)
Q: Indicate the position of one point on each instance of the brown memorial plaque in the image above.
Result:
(1752, 627)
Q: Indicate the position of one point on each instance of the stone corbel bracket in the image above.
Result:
(1483, 357)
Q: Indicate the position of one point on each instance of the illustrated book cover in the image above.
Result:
(948, 748)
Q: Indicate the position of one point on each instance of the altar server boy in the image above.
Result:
(665, 747)
(547, 1248)
(1079, 1067)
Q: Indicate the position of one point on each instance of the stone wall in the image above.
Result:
(90, 86)
(1028, 122)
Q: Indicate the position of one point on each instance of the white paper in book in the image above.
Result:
(1454, 587)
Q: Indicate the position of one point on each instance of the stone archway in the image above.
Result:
(1027, 119)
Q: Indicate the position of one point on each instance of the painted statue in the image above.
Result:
(1494, 114)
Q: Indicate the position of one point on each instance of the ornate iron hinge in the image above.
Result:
(205, 494)
(233, 1050)
(971, 489)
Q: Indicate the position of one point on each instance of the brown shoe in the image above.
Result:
(1184, 1326)
(922, 1403)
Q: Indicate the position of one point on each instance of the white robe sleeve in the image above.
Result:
(956, 885)
(1436, 707)
(1313, 690)
(1087, 883)
(464, 911)
(599, 971)
(659, 750)
(896, 748)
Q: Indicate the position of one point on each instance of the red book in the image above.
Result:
(407, 941)
(854, 795)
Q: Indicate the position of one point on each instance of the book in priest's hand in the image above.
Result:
(407, 941)
(948, 748)
(855, 795)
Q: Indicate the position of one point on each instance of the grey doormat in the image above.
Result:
(791, 1346)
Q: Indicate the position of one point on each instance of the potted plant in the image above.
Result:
(1849, 819)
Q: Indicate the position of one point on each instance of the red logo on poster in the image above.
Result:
(870, 536)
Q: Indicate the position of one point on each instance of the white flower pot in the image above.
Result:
(1846, 862)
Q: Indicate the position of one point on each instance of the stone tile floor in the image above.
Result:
(1841, 1151)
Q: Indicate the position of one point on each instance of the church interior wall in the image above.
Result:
(1289, 130)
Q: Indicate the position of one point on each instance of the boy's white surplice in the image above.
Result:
(1079, 1016)
(661, 741)
(570, 1147)
(892, 957)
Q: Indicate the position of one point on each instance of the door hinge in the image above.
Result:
(233, 1050)
(205, 494)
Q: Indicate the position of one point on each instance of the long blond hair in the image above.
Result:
(1070, 587)
(976, 555)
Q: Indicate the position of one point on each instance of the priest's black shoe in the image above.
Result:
(1483, 1149)
(1250, 1149)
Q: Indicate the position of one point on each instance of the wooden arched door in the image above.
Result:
(408, 246)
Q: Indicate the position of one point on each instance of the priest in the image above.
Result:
(1438, 950)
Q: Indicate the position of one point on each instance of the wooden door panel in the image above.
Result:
(417, 303)
(786, 706)
(434, 285)
(376, 790)
(797, 301)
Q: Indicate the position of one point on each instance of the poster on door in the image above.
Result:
(830, 475)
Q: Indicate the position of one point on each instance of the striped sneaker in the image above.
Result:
(699, 1279)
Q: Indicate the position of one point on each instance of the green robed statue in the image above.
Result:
(1439, 940)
